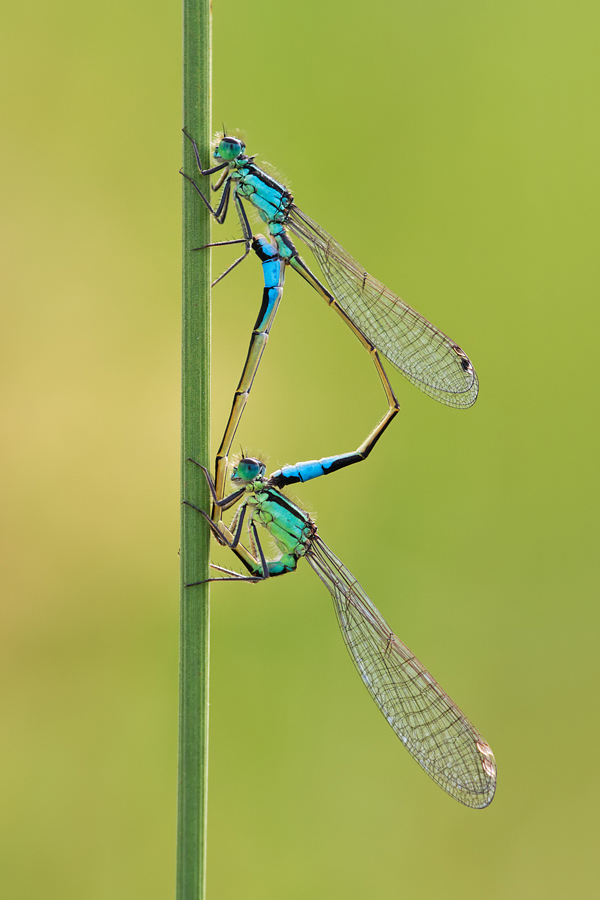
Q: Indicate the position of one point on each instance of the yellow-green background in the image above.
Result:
(453, 147)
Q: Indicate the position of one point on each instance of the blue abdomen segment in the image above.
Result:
(312, 468)
(273, 273)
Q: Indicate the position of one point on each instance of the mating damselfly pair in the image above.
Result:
(426, 720)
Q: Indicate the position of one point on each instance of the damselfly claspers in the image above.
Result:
(427, 721)
(379, 318)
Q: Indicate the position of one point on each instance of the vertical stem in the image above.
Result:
(195, 535)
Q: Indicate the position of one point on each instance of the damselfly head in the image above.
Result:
(229, 148)
(248, 470)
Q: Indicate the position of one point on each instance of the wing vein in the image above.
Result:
(430, 725)
(424, 354)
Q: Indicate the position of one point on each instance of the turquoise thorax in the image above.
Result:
(271, 199)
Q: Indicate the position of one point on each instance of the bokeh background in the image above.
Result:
(452, 147)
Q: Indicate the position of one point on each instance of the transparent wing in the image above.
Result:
(423, 353)
(429, 724)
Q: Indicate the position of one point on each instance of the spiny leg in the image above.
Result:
(246, 231)
(258, 572)
(221, 244)
(224, 537)
(215, 529)
(223, 503)
(220, 531)
(220, 212)
(220, 538)
(202, 171)
(250, 563)
(264, 566)
(253, 579)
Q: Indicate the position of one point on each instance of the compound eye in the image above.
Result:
(249, 468)
(229, 148)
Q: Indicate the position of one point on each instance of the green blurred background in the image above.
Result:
(453, 148)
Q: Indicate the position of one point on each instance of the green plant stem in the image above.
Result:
(195, 535)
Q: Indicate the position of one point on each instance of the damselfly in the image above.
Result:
(381, 320)
(427, 721)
